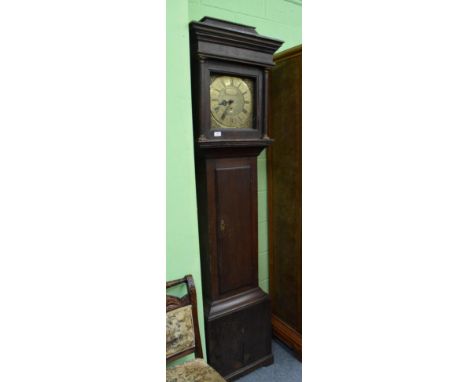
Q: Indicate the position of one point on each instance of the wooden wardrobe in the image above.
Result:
(284, 197)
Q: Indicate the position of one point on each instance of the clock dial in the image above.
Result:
(231, 102)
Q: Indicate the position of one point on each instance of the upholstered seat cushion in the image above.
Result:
(193, 371)
(180, 334)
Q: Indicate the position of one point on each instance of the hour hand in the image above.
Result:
(226, 103)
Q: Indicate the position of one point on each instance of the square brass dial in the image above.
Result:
(231, 102)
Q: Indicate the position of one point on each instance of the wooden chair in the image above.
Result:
(183, 337)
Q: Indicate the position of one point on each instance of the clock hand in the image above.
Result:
(224, 113)
(225, 103)
(226, 109)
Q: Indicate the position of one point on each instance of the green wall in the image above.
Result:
(182, 251)
(275, 18)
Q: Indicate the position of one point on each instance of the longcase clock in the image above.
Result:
(230, 64)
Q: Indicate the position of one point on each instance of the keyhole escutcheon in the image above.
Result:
(222, 226)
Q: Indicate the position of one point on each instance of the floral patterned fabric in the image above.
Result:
(193, 371)
(180, 334)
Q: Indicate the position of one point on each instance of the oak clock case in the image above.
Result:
(230, 65)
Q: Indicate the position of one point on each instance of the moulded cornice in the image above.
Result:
(209, 31)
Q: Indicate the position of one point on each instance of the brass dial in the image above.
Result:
(231, 102)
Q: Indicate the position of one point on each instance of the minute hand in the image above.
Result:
(226, 109)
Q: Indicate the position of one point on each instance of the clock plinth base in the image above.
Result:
(265, 361)
(238, 333)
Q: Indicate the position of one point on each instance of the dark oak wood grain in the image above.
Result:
(233, 189)
(288, 335)
(237, 312)
(244, 337)
(285, 197)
